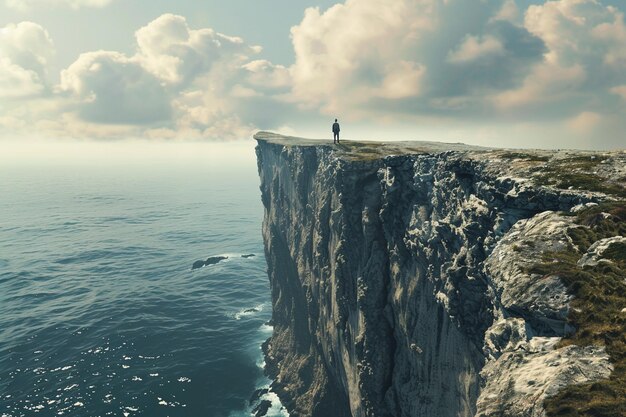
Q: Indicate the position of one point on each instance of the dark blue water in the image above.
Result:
(100, 313)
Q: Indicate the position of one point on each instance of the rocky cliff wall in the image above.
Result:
(400, 283)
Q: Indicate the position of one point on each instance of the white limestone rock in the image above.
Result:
(595, 253)
(521, 379)
(541, 300)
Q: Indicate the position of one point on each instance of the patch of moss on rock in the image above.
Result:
(616, 252)
(577, 172)
(367, 151)
(596, 311)
(526, 156)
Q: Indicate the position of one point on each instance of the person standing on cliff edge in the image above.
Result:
(336, 130)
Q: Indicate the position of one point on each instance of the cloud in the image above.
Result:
(172, 51)
(549, 84)
(24, 5)
(585, 122)
(619, 91)
(114, 89)
(474, 48)
(408, 56)
(613, 36)
(183, 82)
(174, 71)
(585, 59)
(262, 74)
(25, 50)
(351, 52)
(190, 82)
(509, 11)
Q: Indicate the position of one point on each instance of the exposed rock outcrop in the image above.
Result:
(212, 260)
(400, 278)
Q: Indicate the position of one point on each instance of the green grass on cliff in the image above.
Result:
(368, 151)
(596, 311)
(532, 157)
(577, 172)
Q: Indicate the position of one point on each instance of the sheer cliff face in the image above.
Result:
(398, 284)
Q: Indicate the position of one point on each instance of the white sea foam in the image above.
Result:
(249, 311)
(276, 409)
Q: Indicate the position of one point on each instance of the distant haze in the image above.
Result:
(222, 160)
(511, 73)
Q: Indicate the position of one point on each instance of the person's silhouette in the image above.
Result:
(336, 130)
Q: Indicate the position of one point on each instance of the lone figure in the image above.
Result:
(336, 130)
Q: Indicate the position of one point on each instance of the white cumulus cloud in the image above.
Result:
(474, 48)
(113, 88)
(350, 53)
(25, 50)
(585, 58)
(364, 57)
(180, 82)
(172, 51)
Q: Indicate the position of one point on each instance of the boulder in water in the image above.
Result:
(210, 261)
(257, 394)
(262, 409)
(197, 264)
(214, 259)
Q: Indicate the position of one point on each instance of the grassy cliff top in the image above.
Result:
(351, 148)
(593, 171)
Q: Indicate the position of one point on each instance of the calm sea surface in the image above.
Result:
(100, 312)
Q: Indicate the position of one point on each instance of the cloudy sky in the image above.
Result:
(491, 72)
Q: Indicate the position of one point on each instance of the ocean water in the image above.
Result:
(100, 312)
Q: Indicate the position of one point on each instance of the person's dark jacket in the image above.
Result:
(336, 127)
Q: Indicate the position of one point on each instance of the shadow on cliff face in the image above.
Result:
(291, 356)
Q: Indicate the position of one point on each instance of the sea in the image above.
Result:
(101, 313)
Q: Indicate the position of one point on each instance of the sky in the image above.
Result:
(509, 73)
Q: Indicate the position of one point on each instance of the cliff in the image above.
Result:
(425, 279)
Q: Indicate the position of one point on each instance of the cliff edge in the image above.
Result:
(433, 279)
